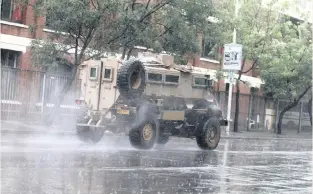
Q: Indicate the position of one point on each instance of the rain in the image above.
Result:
(58, 163)
(156, 97)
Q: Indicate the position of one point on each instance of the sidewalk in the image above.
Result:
(16, 127)
(266, 135)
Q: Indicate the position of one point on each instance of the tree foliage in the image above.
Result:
(254, 26)
(90, 28)
(287, 70)
(271, 41)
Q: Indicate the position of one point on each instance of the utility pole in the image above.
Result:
(231, 74)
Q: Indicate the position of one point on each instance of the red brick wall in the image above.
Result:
(25, 60)
(29, 16)
(207, 65)
(15, 31)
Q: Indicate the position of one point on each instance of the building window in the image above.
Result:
(209, 49)
(11, 11)
(154, 77)
(93, 74)
(172, 79)
(9, 58)
(227, 87)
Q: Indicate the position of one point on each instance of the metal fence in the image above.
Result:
(262, 113)
(31, 95)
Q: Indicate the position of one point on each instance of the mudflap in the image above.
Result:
(92, 132)
(89, 133)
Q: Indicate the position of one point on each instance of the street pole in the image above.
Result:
(300, 117)
(230, 75)
(230, 91)
(43, 93)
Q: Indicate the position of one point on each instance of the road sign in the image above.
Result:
(232, 57)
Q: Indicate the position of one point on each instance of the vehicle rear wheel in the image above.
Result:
(144, 135)
(209, 135)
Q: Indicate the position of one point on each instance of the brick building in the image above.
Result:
(16, 35)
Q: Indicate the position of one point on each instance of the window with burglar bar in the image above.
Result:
(12, 11)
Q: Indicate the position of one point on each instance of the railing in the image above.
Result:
(31, 95)
(255, 107)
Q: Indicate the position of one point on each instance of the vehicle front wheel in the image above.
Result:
(209, 135)
(144, 135)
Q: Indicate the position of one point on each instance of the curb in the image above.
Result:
(32, 132)
(268, 138)
(73, 133)
(29, 130)
(61, 133)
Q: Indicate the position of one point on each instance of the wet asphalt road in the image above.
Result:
(54, 164)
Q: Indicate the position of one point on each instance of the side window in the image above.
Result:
(93, 73)
(172, 79)
(199, 81)
(107, 74)
(154, 77)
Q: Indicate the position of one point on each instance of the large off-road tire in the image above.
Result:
(209, 134)
(144, 135)
(131, 79)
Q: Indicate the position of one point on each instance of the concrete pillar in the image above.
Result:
(300, 117)
(249, 112)
(276, 116)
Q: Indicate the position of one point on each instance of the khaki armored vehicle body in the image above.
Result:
(148, 101)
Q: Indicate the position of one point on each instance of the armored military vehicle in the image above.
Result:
(147, 101)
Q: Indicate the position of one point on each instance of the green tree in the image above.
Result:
(254, 26)
(287, 70)
(86, 29)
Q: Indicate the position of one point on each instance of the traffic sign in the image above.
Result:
(232, 57)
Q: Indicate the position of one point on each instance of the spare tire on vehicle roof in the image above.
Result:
(131, 79)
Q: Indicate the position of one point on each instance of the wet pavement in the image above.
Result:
(62, 164)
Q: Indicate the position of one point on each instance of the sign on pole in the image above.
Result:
(231, 62)
(232, 57)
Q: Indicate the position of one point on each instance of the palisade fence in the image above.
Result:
(24, 92)
(31, 95)
(262, 113)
